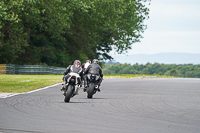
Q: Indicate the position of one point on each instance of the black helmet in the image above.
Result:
(95, 61)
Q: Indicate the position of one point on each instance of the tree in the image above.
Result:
(102, 25)
(57, 32)
(186, 70)
(173, 72)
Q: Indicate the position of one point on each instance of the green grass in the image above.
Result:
(25, 83)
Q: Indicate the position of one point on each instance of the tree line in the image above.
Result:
(185, 70)
(56, 32)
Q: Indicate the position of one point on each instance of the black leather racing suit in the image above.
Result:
(96, 70)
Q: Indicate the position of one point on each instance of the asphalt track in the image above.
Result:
(123, 106)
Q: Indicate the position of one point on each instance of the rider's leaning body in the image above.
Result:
(75, 68)
(94, 69)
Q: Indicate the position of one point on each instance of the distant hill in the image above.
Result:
(112, 62)
(165, 58)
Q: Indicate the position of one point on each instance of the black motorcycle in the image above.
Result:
(92, 85)
(70, 89)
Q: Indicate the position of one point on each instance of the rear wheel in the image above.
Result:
(68, 93)
(91, 90)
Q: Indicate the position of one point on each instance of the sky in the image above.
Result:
(173, 26)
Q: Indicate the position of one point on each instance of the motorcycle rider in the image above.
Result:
(76, 68)
(94, 69)
(85, 65)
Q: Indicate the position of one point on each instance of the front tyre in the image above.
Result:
(91, 90)
(68, 93)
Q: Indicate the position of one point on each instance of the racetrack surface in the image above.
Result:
(123, 106)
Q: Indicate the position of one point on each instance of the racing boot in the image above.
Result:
(84, 89)
(85, 86)
(62, 90)
(79, 82)
(97, 88)
(79, 85)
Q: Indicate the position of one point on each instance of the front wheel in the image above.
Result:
(91, 90)
(68, 93)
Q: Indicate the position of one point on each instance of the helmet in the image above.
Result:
(88, 61)
(77, 63)
(95, 61)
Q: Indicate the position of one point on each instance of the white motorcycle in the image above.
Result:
(70, 87)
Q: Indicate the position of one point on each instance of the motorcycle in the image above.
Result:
(70, 87)
(92, 85)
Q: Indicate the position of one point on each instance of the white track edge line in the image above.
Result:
(31, 91)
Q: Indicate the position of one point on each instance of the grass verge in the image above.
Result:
(25, 83)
